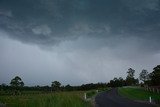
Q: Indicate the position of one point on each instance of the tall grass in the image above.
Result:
(90, 94)
(59, 99)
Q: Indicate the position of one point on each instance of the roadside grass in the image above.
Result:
(90, 95)
(58, 99)
(137, 93)
(93, 93)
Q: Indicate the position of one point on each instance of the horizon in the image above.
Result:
(48, 84)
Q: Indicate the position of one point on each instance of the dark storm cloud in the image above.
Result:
(48, 22)
(88, 40)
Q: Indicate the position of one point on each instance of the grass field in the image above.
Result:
(59, 99)
(137, 93)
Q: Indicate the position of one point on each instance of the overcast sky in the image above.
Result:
(77, 41)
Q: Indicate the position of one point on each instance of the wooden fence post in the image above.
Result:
(150, 99)
(85, 96)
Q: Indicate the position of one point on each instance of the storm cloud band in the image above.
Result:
(48, 22)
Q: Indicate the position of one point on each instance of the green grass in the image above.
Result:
(93, 93)
(137, 93)
(59, 99)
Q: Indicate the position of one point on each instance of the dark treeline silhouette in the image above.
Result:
(150, 79)
(119, 82)
(51, 88)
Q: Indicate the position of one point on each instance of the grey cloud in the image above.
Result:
(141, 6)
(42, 29)
(49, 22)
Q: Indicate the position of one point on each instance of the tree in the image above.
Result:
(144, 75)
(55, 85)
(155, 76)
(130, 77)
(2, 86)
(121, 81)
(68, 87)
(130, 73)
(17, 82)
(116, 82)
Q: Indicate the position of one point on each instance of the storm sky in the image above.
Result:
(77, 41)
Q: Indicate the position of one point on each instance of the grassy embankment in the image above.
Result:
(93, 93)
(59, 99)
(137, 93)
(41, 99)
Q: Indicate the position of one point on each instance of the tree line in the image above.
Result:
(150, 79)
(17, 86)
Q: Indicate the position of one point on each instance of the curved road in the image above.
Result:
(112, 99)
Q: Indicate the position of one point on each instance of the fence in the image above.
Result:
(154, 89)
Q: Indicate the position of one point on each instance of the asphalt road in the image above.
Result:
(2, 105)
(112, 99)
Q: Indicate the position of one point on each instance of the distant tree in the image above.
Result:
(130, 73)
(130, 77)
(144, 75)
(116, 82)
(136, 81)
(16, 84)
(46, 88)
(155, 76)
(56, 85)
(68, 87)
(121, 81)
(2, 86)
